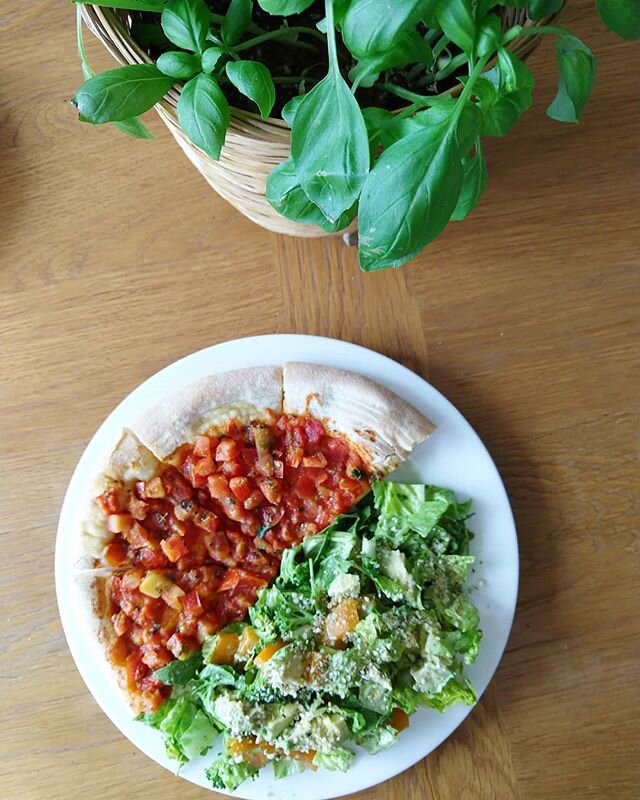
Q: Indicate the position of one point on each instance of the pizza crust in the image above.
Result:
(128, 462)
(207, 405)
(381, 426)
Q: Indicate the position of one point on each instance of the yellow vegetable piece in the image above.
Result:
(341, 621)
(155, 583)
(248, 642)
(269, 650)
(225, 648)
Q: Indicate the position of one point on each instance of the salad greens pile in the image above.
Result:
(366, 622)
(405, 174)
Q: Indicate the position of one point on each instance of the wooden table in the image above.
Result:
(116, 259)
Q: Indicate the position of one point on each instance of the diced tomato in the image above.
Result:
(305, 486)
(121, 623)
(138, 536)
(314, 430)
(295, 456)
(116, 553)
(204, 466)
(233, 469)
(272, 515)
(152, 559)
(318, 476)
(350, 485)
(138, 508)
(316, 460)
(192, 604)
(298, 437)
(111, 501)
(227, 450)
(136, 670)
(218, 486)
(176, 485)
(278, 468)
(248, 456)
(230, 581)
(154, 488)
(174, 547)
(336, 450)
(207, 520)
(218, 546)
(254, 500)
(202, 447)
(271, 489)
(241, 488)
(155, 657)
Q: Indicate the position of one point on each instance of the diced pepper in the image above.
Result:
(155, 583)
(249, 640)
(225, 648)
(267, 652)
(399, 719)
(154, 488)
(174, 547)
(173, 596)
(341, 620)
(202, 447)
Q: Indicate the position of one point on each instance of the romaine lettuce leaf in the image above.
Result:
(225, 773)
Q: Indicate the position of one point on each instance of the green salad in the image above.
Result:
(366, 622)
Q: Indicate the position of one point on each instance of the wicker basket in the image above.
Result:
(253, 146)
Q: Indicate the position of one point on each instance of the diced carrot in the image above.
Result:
(399, 719)
(341, 620)
(306, 757)
(267, 652)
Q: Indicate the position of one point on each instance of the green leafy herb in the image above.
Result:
(121, 93)
(474, 182)
(284, 7)
(254, 81)
(186, 23)
(203, 112)
(178, 64)
(236, 21)
(621, 16)
(210, 58)
(578, 68)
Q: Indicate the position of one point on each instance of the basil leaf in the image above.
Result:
(537, 9)
(284, 7)
(236, 21)
(621, 16)
(505, 93)
(203, 113)
(289, 109)
(474, 182)
(372, 26)
(409, 48)
(285, 194)
(210, 58)
(331, 168)
(129, 5)
(121, 93)
(178, 64)
(455, 17)
(134, 127)
(254, 81)
(148, 35)
(408, 198)
(578, 68)
(186, 23)
(489, 35)
(376, 120)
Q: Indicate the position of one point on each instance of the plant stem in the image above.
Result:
(440, 45)
(265, 37)
(532, 30)
(418, 100)
(331, 38)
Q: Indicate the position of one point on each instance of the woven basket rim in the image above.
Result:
(112, 18)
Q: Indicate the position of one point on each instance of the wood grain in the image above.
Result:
(116, 259)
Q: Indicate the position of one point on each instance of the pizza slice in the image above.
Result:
(198, 501)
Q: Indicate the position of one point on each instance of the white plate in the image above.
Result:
(453, 457)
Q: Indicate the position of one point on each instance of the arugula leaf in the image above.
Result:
(621, 16)
(203, 113)
(284, 7)
(179, 673)
(186, 23)
(178, 64)
(121, 93)
(408, 198)
(254, 81)
(474, 182)
(578, 68)
(236, 21)
(372, 26)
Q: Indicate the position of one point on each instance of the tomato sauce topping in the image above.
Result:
(195, 543)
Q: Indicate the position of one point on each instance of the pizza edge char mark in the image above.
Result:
(363, 428)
